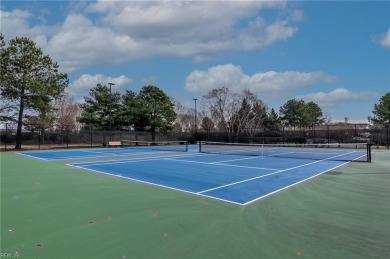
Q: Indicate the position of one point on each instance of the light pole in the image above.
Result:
(387, 134)
(196, 128)
(111, 84)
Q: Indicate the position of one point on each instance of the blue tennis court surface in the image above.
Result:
(231, 178)
(88, 153)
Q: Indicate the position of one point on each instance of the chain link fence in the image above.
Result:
(89, 136)
(321, 134)
(86, 137)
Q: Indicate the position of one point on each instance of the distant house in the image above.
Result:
(343, 126)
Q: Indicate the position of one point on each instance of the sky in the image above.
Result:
(335, 53)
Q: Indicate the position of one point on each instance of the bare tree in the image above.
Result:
(223, 106)
(251, 116)
(184, 119)
(67, 112)
(236, 114)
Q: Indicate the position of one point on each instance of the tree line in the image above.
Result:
(33, 96)
(245, 114)
(149, 109)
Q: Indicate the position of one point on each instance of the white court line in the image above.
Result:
(64, 157)
(238, 159)
(155, 184)
(93, 154)
(262, 176)
(124, 151)
(131, 160)
(88, 151)
(278, 190)
(103, 155)
(55, 158)
(73, 157)
(30, 156)
(208, 163)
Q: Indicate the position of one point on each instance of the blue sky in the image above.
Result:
(333, 53)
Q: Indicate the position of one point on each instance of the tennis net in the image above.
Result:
(175, 146)
(338, 152)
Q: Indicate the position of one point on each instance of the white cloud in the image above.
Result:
(215, 77)
(385, 39)
(337, 96)
(249, 39)
(296, 15)
(269, 84)
(81, 86)
(81, 43)
(111, 32)
(16, 24)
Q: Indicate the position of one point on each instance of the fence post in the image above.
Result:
(90, 134)
(387, 136)
(6, 137)
(327, 133)
(39, 139)
(67, 137)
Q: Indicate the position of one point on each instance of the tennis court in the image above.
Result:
(142, 148)
(61, 204)
(239, 174)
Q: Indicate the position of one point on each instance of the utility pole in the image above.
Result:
(196, 126)
(111, 84)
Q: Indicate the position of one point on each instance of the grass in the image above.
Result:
(49, 210)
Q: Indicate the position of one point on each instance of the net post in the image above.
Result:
(186, 146)
(200, 146)
(369, 152)
(6, 137)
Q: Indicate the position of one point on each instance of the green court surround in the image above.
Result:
(50, 210)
